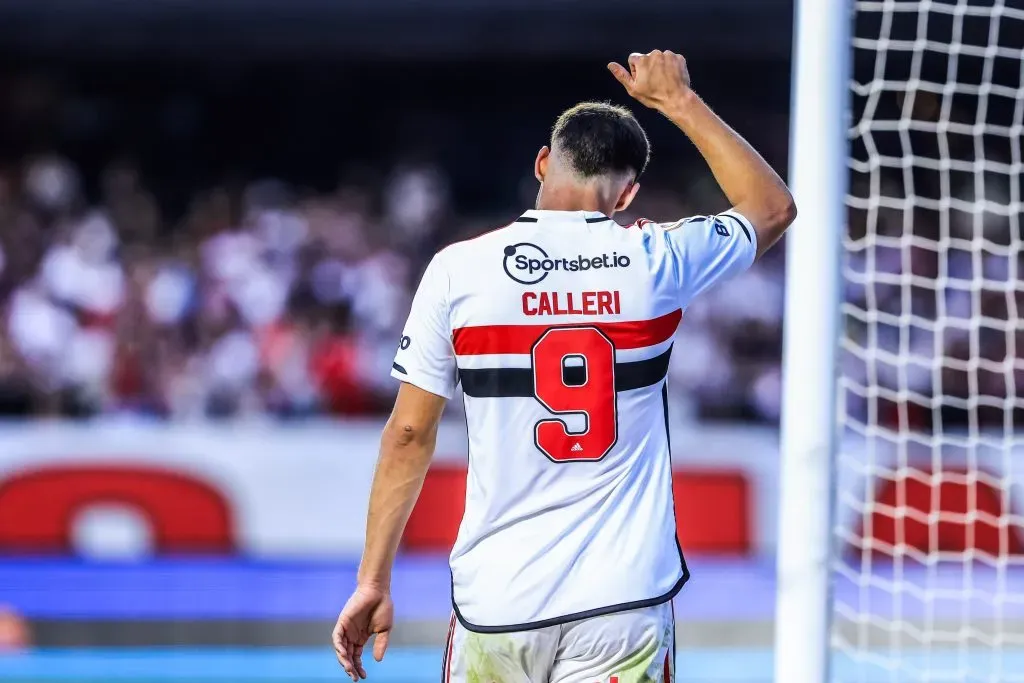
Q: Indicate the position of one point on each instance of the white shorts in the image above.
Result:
(625, 647)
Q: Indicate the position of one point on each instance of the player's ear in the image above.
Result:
(540, 166)
(626, 198)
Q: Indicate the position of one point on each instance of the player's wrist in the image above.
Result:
(688, 112)
(374, 584)
(680, 106)
(373, 579)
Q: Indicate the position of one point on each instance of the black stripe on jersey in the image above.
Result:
(518, 382)
(525, 219)
(396, 366)
(742, 226)
(496, 382)
(598, 219)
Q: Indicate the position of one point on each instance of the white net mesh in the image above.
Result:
(929, 578)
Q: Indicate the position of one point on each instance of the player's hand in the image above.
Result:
(369, 611)
(655, 79)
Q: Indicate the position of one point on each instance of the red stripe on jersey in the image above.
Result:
(484, 339)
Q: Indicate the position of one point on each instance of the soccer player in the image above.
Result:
(559, 328)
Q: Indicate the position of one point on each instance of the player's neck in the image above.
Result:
(574, 199)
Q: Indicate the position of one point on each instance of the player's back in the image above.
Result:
(559, 328)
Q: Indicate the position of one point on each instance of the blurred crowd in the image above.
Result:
(264, 298)
(267, 300)
(932, 327)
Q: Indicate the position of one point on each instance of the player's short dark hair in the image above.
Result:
(599, 138)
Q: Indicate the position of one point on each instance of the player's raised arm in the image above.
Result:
(661, 81)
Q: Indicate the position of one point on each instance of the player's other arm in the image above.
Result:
(406, 447)
(425, 363)
(661, 81)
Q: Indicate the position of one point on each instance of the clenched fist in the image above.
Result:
(655, 79)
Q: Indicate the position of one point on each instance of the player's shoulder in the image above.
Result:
(467, 251)
(480, 241)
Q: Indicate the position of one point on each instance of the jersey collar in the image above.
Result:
(535, 215)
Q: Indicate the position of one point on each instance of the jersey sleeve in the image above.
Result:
(425, 356)
(704, 250)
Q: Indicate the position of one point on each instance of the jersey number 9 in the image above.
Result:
(574, 372)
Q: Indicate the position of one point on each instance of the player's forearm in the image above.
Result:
(405, 455)
(747, 180)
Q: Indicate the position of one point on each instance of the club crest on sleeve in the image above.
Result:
(683, 221)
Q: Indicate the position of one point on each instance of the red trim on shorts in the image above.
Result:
(485, 339)
(671, 654)
(448, 650)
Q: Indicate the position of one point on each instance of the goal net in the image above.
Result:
(928, 582)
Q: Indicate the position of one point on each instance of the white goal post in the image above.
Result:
(817, 176)
(901, 524)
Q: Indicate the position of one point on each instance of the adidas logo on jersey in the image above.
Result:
(576, 447)
(532, 264)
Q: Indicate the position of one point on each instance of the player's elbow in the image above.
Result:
(790, 212)
(781, 211)
(773, 214)
(778, 213)
(405, 433)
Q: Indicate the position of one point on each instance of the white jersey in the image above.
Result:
(559, 328)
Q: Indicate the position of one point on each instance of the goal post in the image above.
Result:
(901, 521)
(818, 179)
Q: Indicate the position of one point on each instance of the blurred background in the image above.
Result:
(223, 214)
(213, 215)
